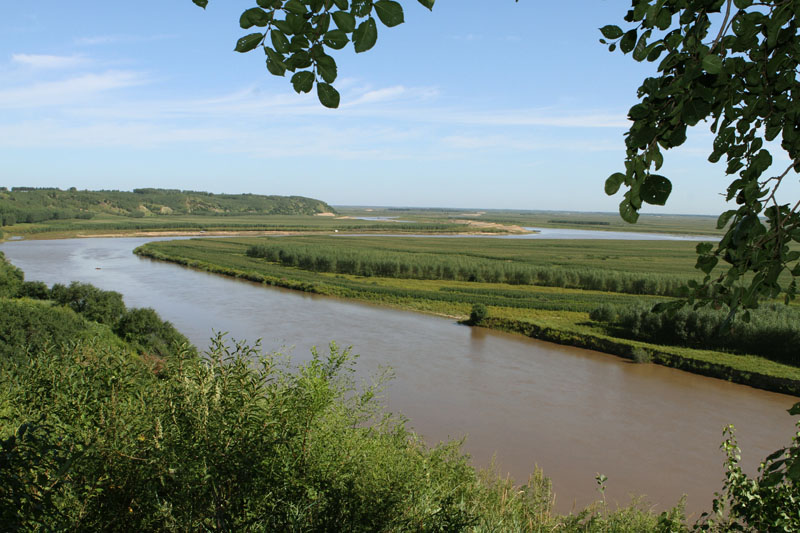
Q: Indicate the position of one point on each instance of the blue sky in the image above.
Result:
(513, 106)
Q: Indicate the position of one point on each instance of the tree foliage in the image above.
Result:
(732, 64)
(297, 36)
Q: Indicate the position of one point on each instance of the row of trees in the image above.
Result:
(772, 331)
(404, 265)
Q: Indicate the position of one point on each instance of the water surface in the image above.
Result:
(651, 430)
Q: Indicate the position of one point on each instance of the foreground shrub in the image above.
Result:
(239, 442)
(149, 333)
(769, 502)
(30, 326)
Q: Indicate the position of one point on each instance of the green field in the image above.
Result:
(684, 224)
(556, 313)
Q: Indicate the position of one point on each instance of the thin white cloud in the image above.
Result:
(537, 117)
(45, 61)
(390, 94)
(96, 40)
(517, 144)
(78, 88)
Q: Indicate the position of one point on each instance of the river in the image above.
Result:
(575, 413)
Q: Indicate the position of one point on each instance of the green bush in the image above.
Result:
(104, 307)
(768, 502)
(144, 329)
(30, 326)
(10, 278)
(236, 442)
(478, 314)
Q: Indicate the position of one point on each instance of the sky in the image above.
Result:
(476, 104)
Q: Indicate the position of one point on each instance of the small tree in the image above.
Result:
(478, 314)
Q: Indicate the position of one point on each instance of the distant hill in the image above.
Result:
(29, 204)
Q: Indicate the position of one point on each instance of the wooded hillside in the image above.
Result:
(29, 204)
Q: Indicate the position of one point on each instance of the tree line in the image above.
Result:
(400, 264)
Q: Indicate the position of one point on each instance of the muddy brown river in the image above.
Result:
(653, 431)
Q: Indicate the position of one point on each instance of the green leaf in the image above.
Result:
(296, 7)
(638, 112)
(275, 63)
(611, 32)
(249, 42)
(795, 410)
(723, 219)
(344, 21)
(201, 3)
(627, 212)
(254, 17)
(613, 183)
(303, 81)
(296, 22)
(328, 96)
(390, 12)
(336, 39)
(427, 3)
(712, 64)
(656, 189)
(365, 35)
(628, 41)
(703, 247)
(326, 67)
(706, 263)
(279, 41)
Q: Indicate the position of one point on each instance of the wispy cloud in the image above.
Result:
(78, 88)
(516, 144)
(96, 40)
(44, 61)
(389, 94)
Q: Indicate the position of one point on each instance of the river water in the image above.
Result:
(575, 413)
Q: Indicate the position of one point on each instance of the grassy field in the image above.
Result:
(559, 314)
(105, 224)
(349, 219)
(683, 224)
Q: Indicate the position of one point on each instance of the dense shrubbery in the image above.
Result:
(10, 278)
(773, 331)
(104, 307)
(26, 324)
(148, 332)
(402, 264)
(29, 326)
(223, 444)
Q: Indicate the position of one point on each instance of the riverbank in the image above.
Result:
(554, 314)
